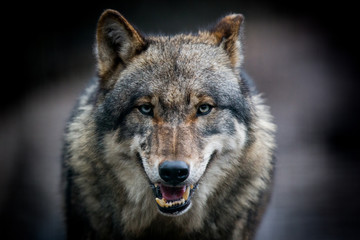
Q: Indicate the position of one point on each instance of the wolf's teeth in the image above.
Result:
(166, 204)
(186, 193)
(161, 202)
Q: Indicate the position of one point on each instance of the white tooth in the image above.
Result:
(186, 193)
(161, 202)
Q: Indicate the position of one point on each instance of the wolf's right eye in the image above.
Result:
(146, 109)
(204, 109)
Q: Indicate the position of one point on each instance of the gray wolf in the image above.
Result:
(170, 141)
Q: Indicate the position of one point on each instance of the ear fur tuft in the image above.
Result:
(226, 34)
(117, 42)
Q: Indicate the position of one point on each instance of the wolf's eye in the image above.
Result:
(204, 109)
(146, 109)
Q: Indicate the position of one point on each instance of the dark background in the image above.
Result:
(303, 55)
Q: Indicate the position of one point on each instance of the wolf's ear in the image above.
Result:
(226, 34)
(116, 42)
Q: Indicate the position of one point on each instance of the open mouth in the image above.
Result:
(173, 200)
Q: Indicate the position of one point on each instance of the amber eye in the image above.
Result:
(204, 109)
(146, 109)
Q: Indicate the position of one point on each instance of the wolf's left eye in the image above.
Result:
(204, 109)
(146, 109)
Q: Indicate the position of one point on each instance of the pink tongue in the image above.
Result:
(172, 193)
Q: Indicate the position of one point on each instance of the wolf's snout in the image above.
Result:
(174, 172)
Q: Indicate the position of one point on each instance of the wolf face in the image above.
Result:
(171, 127)
(178, 106)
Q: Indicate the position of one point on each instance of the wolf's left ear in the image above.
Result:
(226, 34)
(117, 41)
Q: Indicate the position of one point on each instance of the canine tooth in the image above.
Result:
(186, 193)
(161, 202)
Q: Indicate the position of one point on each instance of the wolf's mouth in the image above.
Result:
(173, 200)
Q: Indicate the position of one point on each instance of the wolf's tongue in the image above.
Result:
(172, 193)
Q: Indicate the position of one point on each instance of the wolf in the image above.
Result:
(171, 140)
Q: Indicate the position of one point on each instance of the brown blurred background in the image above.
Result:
(304, 57)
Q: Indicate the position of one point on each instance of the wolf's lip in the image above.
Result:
(173, 200)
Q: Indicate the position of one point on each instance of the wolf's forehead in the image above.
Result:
(179, 62)
(175, 69)
(186, 55)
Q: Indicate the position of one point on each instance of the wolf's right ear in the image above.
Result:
(226, 33)
(116, 42)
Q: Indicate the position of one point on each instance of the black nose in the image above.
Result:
(174, 172)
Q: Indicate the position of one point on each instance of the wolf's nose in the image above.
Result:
(174, 172)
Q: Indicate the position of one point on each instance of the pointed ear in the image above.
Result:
(226, 34)
(116, 42)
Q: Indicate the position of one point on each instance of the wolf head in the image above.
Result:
(172, 112)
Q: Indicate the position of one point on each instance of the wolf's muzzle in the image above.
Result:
(172, 195)
(174, 172)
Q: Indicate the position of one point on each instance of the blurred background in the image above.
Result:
(303, 56)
